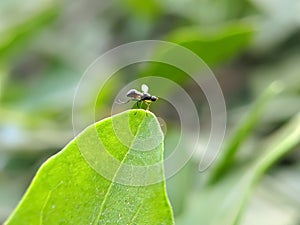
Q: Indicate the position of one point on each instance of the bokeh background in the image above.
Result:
(45, 47)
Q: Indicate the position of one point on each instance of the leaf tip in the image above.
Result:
(141, 111)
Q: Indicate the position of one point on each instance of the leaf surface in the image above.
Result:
(68, 189)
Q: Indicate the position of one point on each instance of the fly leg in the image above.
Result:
(148, 105)
(138, 106)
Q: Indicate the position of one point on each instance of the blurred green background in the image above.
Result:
(45, 46)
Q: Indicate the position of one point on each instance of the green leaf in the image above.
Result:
(214, 46)
(77, 186)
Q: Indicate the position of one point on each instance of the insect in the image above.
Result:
(140, 97)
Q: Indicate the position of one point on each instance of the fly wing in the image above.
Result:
(145, 88)
(134, 94)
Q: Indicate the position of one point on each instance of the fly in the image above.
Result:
(141, 97)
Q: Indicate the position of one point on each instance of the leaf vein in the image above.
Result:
(113, 179)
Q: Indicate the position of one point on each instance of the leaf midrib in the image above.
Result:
(113, 179)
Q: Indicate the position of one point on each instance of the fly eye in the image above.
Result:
(153, 98)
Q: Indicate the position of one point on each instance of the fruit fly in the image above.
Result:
(140, 97)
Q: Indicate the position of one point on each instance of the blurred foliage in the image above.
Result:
(45, 47)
